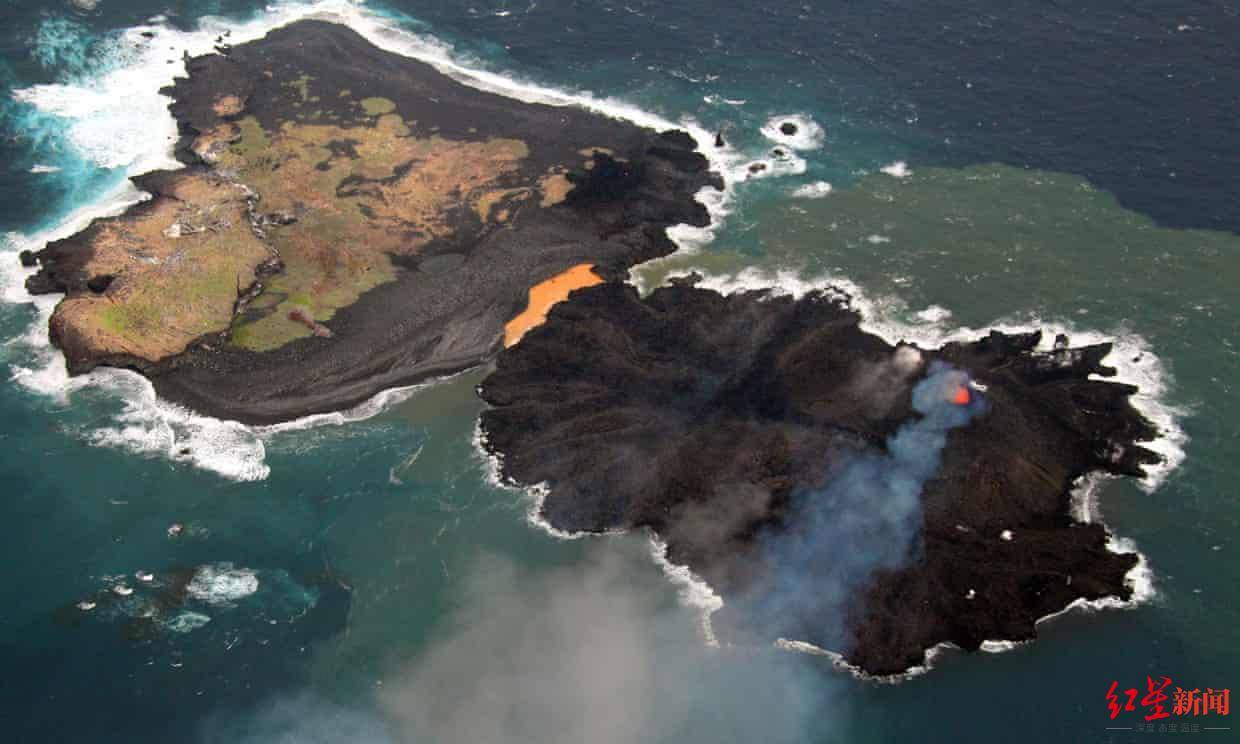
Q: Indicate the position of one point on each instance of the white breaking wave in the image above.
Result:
(40, 168)
(1084, 505)
(119, 120)
(934, 314)
(785, 164)
(535, 495)
(186, 622)
(222, 583)
(1139, 579)
(806, 134)
(816, 190)
(692, 591)
(837, 660)
(146, 425)
(898, 169)
(150, 426)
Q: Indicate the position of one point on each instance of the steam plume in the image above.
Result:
(866, 519)
(593, 652)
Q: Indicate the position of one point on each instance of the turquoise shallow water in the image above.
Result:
(401, 596)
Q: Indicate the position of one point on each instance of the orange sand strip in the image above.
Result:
(545, 294)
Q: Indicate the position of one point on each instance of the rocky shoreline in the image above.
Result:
(348, 221)
(713, 419)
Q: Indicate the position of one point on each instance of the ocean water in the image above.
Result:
(360, 576)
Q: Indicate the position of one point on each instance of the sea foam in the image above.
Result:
(222, 583)
(692, 591)
(534, 496)
(808, 134)
(815, 190)
(898, 169)
(1139, 579)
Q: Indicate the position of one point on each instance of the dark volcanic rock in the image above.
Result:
(100, 283)
(622, 186)
(707, 417)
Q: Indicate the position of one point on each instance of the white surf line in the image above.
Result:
(898, 169)
(691, 591)
(369, 408)
(838, 661)
(119, 119)
(815, 190)
(1139, 579)
(535, 495)
(807, 134)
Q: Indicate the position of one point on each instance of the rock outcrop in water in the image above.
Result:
(712, 419)
(351, 220)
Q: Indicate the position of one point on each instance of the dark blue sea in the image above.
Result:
(361, 577)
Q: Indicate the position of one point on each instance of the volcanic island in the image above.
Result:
(727, 424)
(349, 220)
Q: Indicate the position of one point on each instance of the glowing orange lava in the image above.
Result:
(962, 397)
(546, 294)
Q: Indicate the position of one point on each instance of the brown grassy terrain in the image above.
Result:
(180, 266)
(372, 223)
(341, 200)
(359, 194)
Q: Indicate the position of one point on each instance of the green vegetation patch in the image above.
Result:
(377, 106)
(302, 85)
(354, 205)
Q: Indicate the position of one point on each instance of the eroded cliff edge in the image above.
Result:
(350, 220)
(723, 423)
